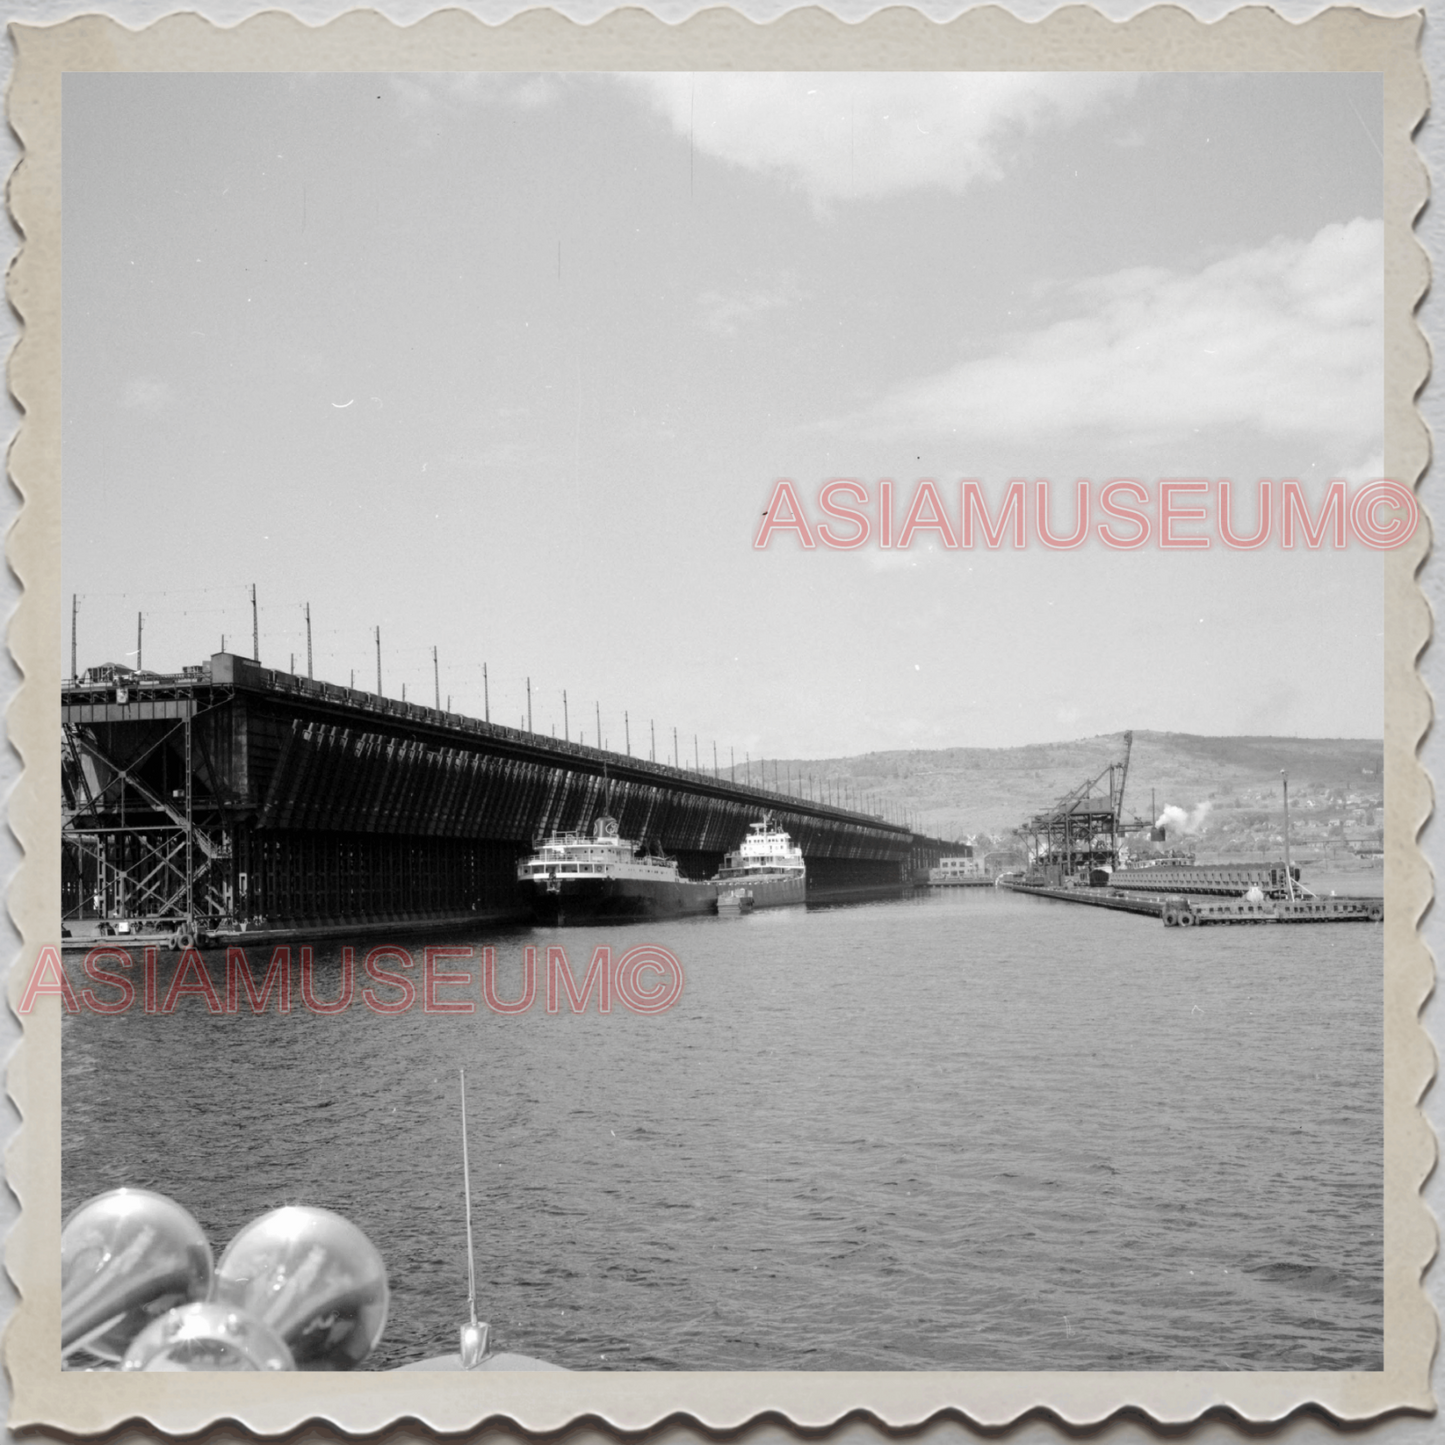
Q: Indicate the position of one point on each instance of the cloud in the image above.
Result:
(871, 134)
(145, 393)
(454, 94)
(1287, 338)
(726, 314)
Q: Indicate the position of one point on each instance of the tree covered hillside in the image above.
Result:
(954, 792)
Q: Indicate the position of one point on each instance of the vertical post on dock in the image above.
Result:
(696, 759)
(1113, 838)
(652, 755)
(73, 674)
(256, 629)
(529, 704)
(486, 695)
(598, 706)
(309, 673)
(566, 727)
(436, 676)
(627, 730)
(139, 625)
(1288, 875)
(188, 703)
(714, 759)
(378, 659)
(675, 761)
(292, 667)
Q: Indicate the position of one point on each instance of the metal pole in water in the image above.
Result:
(467, 1192)
(475, 1338)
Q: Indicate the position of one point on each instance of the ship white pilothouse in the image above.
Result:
(576, 877)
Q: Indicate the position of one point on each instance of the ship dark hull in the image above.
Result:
(768, 890)
(593, 900)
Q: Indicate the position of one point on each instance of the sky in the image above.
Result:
(509, 366)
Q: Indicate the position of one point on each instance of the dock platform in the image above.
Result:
(1092, 897)
(1181, 912)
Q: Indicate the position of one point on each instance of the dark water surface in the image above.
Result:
(971, 1131)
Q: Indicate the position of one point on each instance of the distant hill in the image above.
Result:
(956, 791)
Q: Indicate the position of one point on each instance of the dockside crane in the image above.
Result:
(1081, 830)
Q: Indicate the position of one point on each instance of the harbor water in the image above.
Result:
(968, 1130)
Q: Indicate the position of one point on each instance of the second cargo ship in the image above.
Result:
(765, 871)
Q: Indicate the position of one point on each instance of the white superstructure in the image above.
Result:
(765, 852)
(600, 854)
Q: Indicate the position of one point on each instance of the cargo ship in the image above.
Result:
(765, 871)
(582, 878)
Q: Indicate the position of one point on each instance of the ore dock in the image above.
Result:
(233, 801)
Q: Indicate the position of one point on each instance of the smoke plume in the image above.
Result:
(1176, 823)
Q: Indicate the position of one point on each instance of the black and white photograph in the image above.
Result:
(723, 721)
